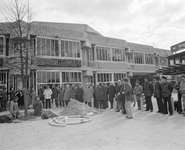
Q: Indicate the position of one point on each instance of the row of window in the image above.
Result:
(107, 77)
(139, 58)
(55, 77)
(64, 48)
(51, 47)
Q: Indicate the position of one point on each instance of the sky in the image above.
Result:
(160, 23)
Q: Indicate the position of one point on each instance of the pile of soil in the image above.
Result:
(46, 114)
(75, 107)
(5, 119)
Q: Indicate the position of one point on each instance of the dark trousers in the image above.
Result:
(61, 103)
(122, 102)
(66, 102)
(139, 104)
(160, 104)
(102, 104)
(88, 103)
(48, 103)
(179, 101)
(149, 105)
(111, 102)
(169, 107)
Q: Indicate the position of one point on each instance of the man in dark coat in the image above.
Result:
(41, 94)
(79, 93)
(166, 95)
(122, 97)
(54, 95)
(148, 91)
(158, 94)
(112, 93)
(179, 95)
(103, 96)
(98, 95)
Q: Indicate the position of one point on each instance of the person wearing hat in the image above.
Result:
(158, 94)
(128, 97)
(182, 90)
(138, 89)
(166, 95)
(148, 91)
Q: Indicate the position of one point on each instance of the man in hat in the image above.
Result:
(158, 94)
(166, 95)
(148, 91)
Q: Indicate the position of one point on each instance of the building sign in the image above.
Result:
(57, 62)
(1, 62)
(177, 47)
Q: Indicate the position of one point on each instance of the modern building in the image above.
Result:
(66, 53)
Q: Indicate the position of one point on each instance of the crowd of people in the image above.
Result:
(101, 97)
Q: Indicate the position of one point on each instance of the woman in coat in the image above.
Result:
(103, 95)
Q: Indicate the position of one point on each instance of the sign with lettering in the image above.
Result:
(58, 62)
(177, 47)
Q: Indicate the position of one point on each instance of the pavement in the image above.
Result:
(109, 130)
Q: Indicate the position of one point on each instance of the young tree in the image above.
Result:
(18, 27)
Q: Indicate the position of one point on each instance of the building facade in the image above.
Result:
(76, 53)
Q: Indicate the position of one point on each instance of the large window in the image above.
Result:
(118, 54)
(139, 58)
(48, 77)
(2, 46)
(104, 77)
(119, 76)
(70, 49)
(149, 58)
(103, 53)
(47, 47)
(71, 77)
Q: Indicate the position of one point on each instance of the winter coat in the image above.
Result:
(41, 94)
(61, 94)
(158, 90)
(128, 92)
(21, 98)
(98, 93)
(182, 87)
(12, 95)
(119, 90)
(166, 89)
(80, 93)
(54, 93)
(47, 93)
(103, 93)
(88, 94)
(73, 93)
(66, 94)
(111, 92)
(138, 89)
(148, 89)
(38, 107)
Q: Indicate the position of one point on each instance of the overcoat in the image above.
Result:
(80, 93)
(111, 92)
(158, 90)
(148, 89)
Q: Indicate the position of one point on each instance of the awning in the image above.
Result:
(175, 69)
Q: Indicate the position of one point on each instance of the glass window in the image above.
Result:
(74, 49)
(44, 47)
(118, 54)
(104, 77)
(1, 45)
(103, 53)
(149, 58)
(139, 58)
(44, 80)
(70, 49)
(49, 78)
(62, 49)
(48, 47)
(78, 49)
(119, 76)
(39, 46)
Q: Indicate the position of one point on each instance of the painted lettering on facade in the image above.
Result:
(57, 62)
(178, 46)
